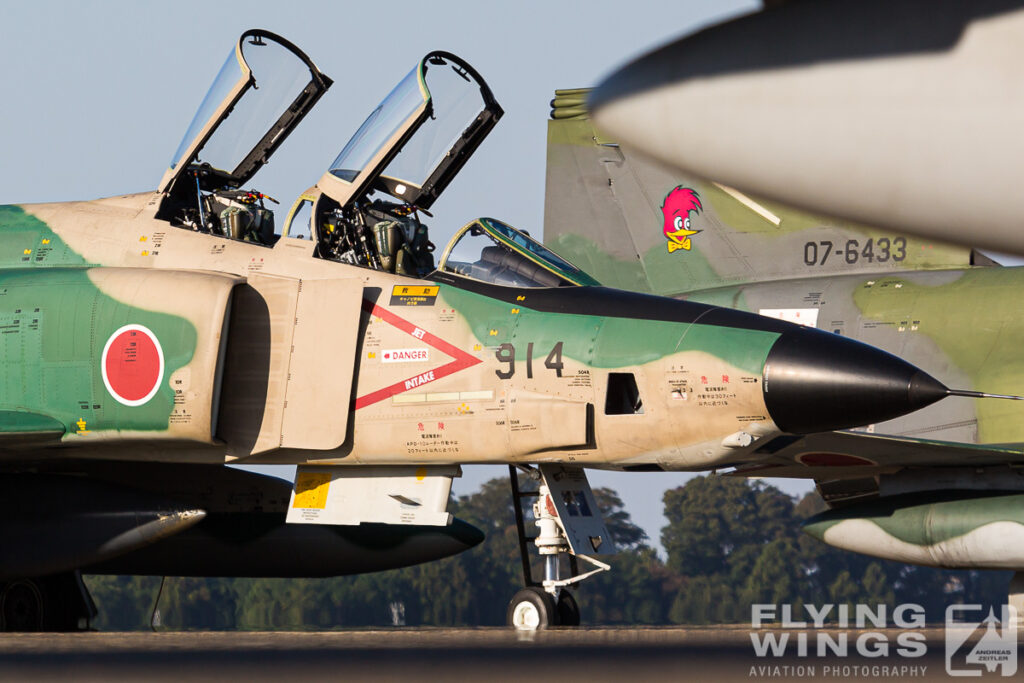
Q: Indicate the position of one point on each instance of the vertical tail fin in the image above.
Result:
(619, 216)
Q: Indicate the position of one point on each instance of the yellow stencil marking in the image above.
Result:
(145, 253)
(494, 333)
(142, 239)
(515, 311)
(81, 426)
(371, 354)
(421, 473)
(27, 252)
(477, 347)
(415, 290)
(46, 240)
(311, 490)
(520, 298)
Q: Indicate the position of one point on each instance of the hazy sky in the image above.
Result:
(96, 97)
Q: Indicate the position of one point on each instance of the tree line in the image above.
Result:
(729, 543)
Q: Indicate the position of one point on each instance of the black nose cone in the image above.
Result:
(815, 381)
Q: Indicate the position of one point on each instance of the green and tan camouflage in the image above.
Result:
(952, 530)
(146, 318)
(900, 487)
(148, 335)
(949, 310)
(246, 333)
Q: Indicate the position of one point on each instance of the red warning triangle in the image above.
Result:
(460, 359)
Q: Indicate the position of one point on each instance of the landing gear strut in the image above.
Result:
(549, 602)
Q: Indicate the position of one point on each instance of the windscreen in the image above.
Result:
(527, 243)
(483, 252)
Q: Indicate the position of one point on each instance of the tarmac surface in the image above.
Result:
(487, 654)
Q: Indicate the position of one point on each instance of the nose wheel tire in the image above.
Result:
(59, 602)
(568, 610)
(21, 607)
(532, 609)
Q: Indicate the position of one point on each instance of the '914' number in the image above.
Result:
(874, 251)
(506, 353)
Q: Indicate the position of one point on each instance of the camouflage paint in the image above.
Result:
(656, 272)
(602, 190)
(990, 356)
(929, 521)
(609, 342)
(614, 272)
(601, 208)
(664, 270)
(29, 242)
(56, 321)
(20, 422)
(741, 219)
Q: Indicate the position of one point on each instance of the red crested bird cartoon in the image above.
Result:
(677, 207)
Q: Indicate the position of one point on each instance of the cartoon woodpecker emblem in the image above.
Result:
(677, 207)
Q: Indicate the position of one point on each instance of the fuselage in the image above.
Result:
(269, 354)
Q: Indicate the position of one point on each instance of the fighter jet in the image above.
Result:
(148, 340)
(898, 114)
(949, 310)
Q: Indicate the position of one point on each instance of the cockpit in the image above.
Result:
(372, 202)
(371, 206)
(261, 93)
(491, 251)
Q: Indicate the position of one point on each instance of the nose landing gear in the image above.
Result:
(568, 497)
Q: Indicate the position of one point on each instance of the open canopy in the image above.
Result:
(265, 88)
(418, 138)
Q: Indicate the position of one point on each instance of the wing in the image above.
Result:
(840, 455)
(848, 465)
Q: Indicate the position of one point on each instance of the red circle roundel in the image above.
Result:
(132, 365)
